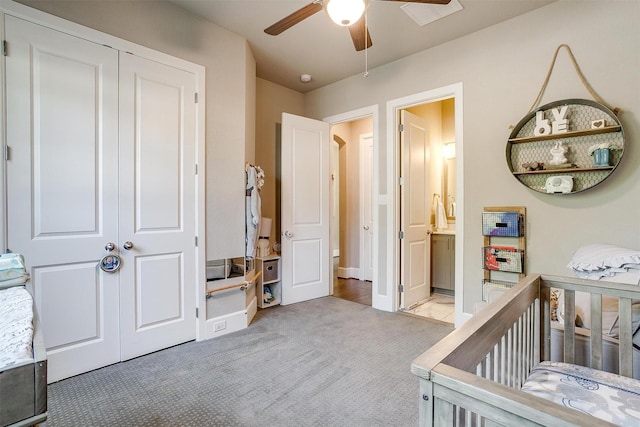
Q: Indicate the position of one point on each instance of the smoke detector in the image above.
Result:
(305, 78)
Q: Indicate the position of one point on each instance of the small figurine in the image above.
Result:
(533, 166)
(558, 154)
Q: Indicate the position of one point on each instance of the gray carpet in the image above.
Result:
(325, 362)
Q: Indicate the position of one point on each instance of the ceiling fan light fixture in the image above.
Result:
(345, 12)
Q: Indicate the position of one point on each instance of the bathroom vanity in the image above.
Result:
(443, 262)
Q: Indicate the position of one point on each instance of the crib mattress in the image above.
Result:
(16, 327)
(603, 395)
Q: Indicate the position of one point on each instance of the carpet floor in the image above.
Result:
(325, 362)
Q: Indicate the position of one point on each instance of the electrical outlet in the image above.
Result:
(219, 326)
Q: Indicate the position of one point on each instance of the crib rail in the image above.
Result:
(473, 376)
(624, 293)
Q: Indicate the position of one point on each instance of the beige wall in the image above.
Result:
(502, 69)
(272, 101)
(230, 94)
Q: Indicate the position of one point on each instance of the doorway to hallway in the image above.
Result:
(353, 290)
(352, 225)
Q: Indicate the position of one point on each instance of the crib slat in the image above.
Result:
(569, 326)
(626, 338)
(596, 332)
(544, 336)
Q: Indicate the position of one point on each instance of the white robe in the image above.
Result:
(253, 211)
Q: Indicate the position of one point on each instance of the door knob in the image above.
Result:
(366, 227)
(287, 234)
(109, 246)
(127, 245)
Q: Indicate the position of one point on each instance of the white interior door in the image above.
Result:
(415, 212)
(366, 207)
(62, 188)
(157, 206)
(306, 244)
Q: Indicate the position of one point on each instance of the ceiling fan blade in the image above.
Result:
(423, 1)
(360, 33)
(294, 18)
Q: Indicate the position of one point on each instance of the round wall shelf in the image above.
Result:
(570, 128)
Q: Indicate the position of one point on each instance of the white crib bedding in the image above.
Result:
(603, 395)
(16, 327)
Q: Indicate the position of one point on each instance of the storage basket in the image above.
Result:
(507, 224)
(270, 271)
(503, 258)
(489, 285)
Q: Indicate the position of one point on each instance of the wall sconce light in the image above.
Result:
(449, 150)
(345, 12)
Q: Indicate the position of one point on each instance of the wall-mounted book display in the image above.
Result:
(566, 146)
(503, 252)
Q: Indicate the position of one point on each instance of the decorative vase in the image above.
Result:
(601, 157)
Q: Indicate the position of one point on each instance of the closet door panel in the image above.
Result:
(62, 188)
(157, 205)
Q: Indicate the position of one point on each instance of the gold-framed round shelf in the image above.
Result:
(582, 125)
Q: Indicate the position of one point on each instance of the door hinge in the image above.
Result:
(401, 235)
(5, 48)
(7, 155)
(195, 241)
(196, 312)
(401, 127)
(400, 287)
(195, 97)
(401, 181)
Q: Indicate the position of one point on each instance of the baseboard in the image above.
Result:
(226, 324)
(348, 272)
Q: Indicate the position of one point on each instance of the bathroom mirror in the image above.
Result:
(449, 179)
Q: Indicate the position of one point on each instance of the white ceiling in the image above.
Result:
(318, 47)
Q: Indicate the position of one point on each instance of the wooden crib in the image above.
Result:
(474, 375)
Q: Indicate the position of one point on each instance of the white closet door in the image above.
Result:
(62, 188)
(157, 205)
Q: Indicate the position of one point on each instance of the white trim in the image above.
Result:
(377, 301)
(393, 120)
(8, 7)
(348, 272)
(233, 322)
(3, 142)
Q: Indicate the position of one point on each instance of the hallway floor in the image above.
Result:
(352, 290)
(437, 306)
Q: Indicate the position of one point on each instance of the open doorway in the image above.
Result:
(425, 129)
(427, 125)
(352, 209)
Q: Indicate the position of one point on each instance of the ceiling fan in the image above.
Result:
(347, 13)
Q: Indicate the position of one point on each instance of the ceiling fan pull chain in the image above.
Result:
(366, 46)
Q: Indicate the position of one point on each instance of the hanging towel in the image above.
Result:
(441, 217)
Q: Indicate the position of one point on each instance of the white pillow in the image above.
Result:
(599, 257)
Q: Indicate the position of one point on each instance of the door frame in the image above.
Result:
(349, 116)
(80, 31)
(394, 106)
